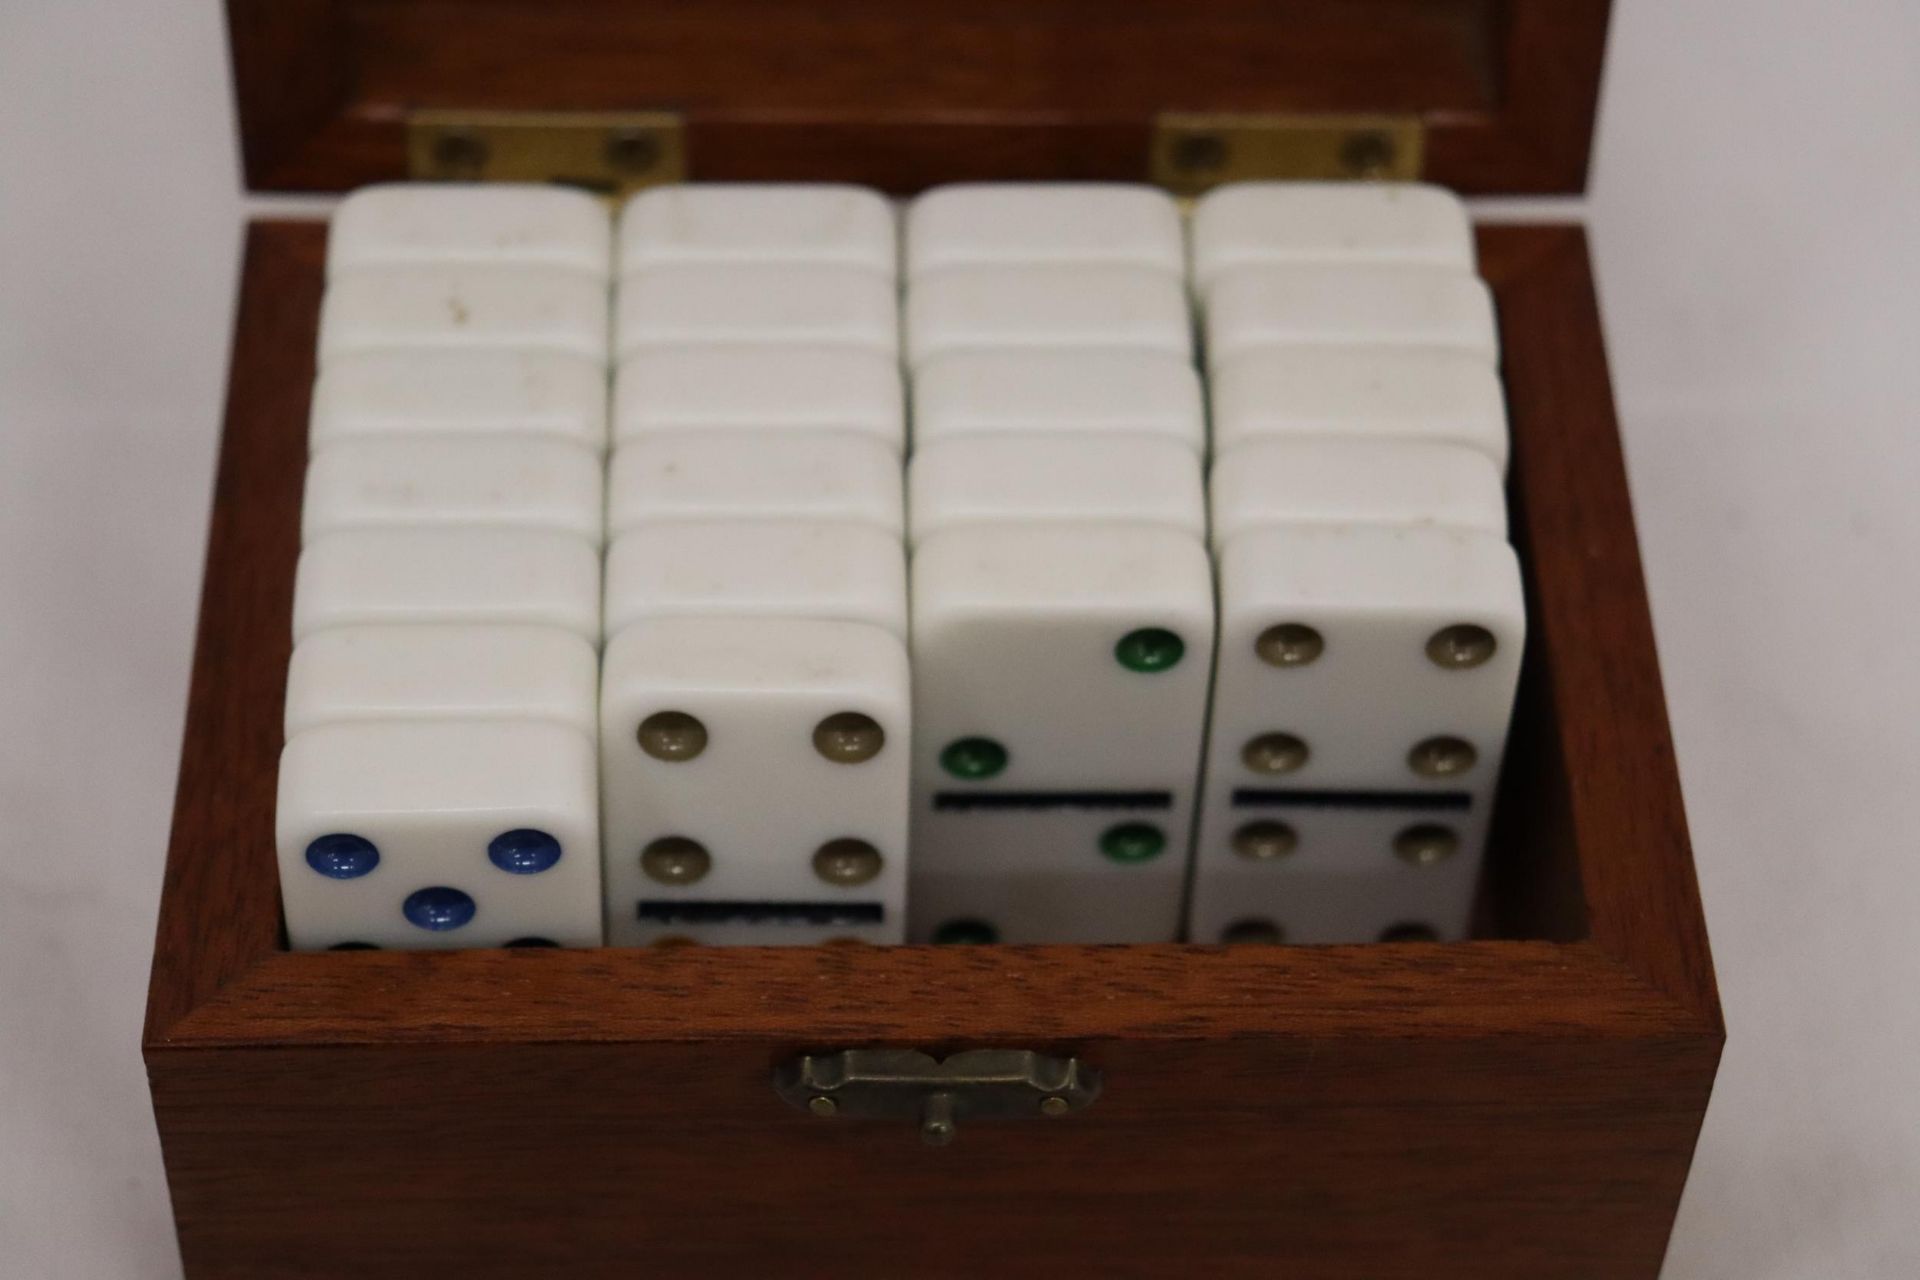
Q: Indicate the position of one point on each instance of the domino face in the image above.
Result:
(754, 475)
(1035, 390)
(718, 222)
(439, 835)
(462, 394)
(525, 576)
(1337, 304)
(1447, 397)
(429, 671)
(1249, 224)
(428, 482)
(1318, 480)
(1361, 700)
(1073, 306)
(1086, 222)
(488, 308)
(800, 303)
(790, 387)
(1060, 684)
(402, 224)
(755, 782)
(966, 481)
(757, 569)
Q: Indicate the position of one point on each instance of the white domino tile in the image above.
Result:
(1342, 304)
(1076, 306)
(802, 303)
(841, 571)
(1449, 397)
(755, 781)
(1021, 223)
(754, 475)
(765, 387)
(1329, 481)
(721, 222)
(1059, 391)
(970, 480)
(462, 394)
(429, 671)
(522, 482)
(464, 307)
(1250, 224)
(402, 224)
(1351, 712)
(439, 834)
(1060, 687)
(525, 576)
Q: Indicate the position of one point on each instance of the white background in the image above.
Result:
(1756, 214)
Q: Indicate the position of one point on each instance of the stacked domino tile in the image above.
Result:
(1062, 595)
(438, 784)
(755, 704)
(1371, 620)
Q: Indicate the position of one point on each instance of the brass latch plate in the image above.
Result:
(612, 153)
(903, 1084)
(1191, 152)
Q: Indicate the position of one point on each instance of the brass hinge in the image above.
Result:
(612, 153)
(1192, 151)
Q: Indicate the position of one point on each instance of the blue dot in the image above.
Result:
(342, 857)
(438, 908)
(524, 851)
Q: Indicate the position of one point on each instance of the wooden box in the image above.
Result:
(1521, 1105)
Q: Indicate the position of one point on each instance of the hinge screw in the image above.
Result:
(1055, 1106)
(822, 1106)
(1199, 152)
(632, 150)
(1368, 155)
(461, 153)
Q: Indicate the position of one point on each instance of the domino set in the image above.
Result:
(1085, 649)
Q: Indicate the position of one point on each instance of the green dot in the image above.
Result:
(973, 758)
(1133, 842)
(1150, 649)
(966, 933)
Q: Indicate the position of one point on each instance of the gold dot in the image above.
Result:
(1265, 841)
(1426, 844)
(1442, 757)
(1250, 932)
(1410, 932)
(847, 861)
(1289, 645)
(675, 860)
(849, 737)
(1274, 753)
(1460, 647)
(672, 736)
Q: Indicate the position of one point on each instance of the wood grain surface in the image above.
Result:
(1519, 1106)
(903, 94)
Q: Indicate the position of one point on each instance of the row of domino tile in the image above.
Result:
(1371, 620)
(1062, 599)
(755, 713)
(439, 784)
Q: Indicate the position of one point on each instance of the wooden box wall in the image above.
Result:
(1521, 1105)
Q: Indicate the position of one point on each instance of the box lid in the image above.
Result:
(1486, 96)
